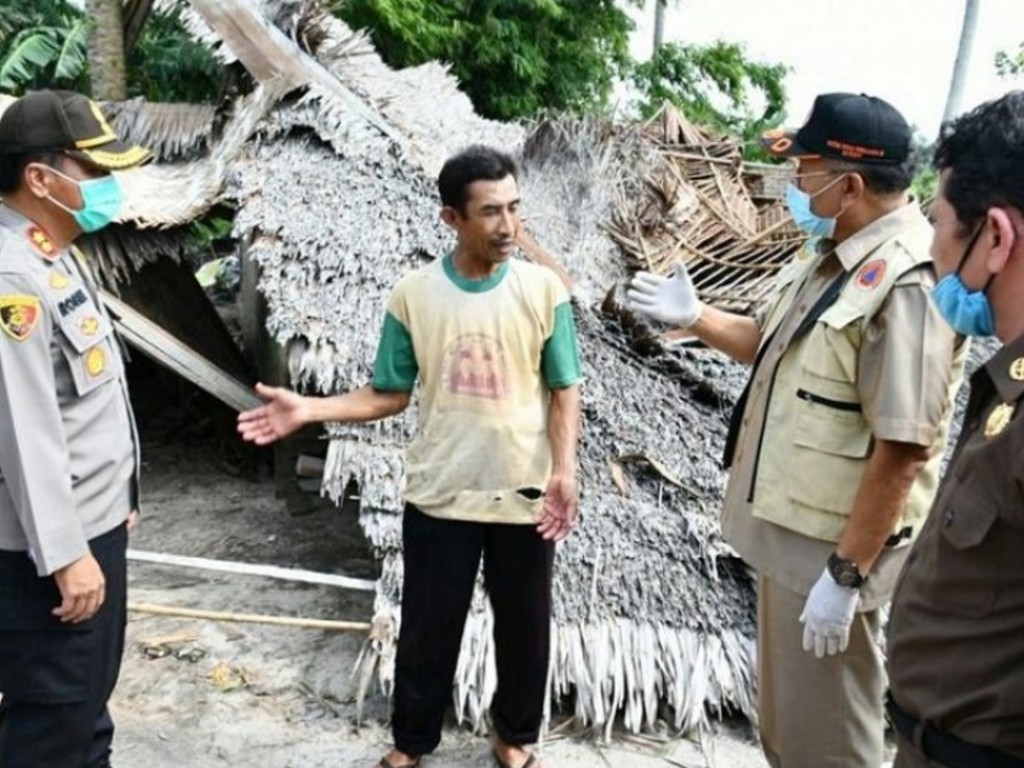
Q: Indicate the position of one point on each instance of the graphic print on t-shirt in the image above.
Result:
(475, 369)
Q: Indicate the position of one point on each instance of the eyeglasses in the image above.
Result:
(796, 178)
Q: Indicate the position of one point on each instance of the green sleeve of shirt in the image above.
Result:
(395, 368)
(560, 359)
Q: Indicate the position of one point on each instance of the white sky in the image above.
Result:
(900, 50)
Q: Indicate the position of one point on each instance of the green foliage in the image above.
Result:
(44, 44)
(926, 179)
(167, 65)
(1010, 64)
(713, 85)
(514, 58)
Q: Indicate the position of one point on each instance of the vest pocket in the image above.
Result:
(831, 439)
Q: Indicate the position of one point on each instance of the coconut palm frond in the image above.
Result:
(73, 54)
(171, 131)
(32, 51)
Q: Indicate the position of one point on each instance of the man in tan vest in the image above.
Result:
(835, 445)
(956, 637)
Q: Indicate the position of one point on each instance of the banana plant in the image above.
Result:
(44, 43)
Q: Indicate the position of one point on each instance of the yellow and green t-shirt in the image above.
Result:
(486, 353)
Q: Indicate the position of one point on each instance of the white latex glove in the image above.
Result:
(671, 300)
(827, 616)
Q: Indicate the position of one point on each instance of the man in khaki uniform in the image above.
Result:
(68, 445)
(956, 638)
(835, 445)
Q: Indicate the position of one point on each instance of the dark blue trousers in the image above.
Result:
(442, 558)
(56, 678)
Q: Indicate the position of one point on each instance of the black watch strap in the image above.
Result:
(844, 572)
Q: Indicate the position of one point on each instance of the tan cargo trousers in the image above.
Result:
(817, 713)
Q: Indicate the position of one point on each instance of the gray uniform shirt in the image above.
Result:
(68, 444)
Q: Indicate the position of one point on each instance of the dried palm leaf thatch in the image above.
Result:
(172, 132)
(651, 609)
(335, 192)
(695, 209)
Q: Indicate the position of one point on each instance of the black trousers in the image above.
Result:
(442, 558)
(56, 678)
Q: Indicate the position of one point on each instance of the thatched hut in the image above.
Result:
(329, 159)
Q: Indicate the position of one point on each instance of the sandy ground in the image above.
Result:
(207, 694)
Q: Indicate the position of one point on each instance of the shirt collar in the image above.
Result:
(11, 219)
(1006, 370)
(855, 249)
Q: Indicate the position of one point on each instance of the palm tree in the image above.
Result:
(963, 59)
(106, 49)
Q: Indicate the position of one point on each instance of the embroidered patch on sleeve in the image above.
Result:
(18, 316)
(871, 274)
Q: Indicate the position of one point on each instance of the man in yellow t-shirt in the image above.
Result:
(492, 470)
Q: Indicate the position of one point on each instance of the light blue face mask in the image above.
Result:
(101, 201)
(967, 312)
(799, 204)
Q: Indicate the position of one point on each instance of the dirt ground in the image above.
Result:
(206, 694)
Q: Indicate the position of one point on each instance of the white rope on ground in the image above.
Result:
(253, 569)
(249, 618)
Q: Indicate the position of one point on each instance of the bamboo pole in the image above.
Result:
(249, 618)
(252, 569)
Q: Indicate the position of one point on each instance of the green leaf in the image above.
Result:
(32, 51)
(74, 52)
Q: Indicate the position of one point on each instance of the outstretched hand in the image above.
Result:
(558, 511)
(282, 413)
(671, 300)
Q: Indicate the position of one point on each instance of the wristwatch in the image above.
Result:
(844, 572)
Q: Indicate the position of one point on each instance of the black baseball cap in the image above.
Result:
(846, 126)
(65, 121)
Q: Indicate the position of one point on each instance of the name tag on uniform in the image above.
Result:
(72, 302)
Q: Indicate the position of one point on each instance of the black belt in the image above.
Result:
(942, 747)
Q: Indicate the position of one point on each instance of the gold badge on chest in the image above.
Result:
(998, 420)
(1017, 369)
(95, 361)
(58, 280)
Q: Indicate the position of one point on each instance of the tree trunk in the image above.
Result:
(659, 24)
(135, 14)
(106, 50)
(963, 59)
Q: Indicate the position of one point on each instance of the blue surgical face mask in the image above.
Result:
(799, 204)
(101, 201)
(967, 312)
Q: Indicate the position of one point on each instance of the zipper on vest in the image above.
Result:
(841, 405)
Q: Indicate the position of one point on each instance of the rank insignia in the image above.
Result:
(89, 325)
(871, 274)
(95, 361)
(58, 280)
(42, 242)
(998, 420)
(18, 316)
(1017, 369)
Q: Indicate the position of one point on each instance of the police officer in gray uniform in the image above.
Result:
(69, 451)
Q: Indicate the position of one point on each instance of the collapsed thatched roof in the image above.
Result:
(331, 161)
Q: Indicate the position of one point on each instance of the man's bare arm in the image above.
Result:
(881, 497)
